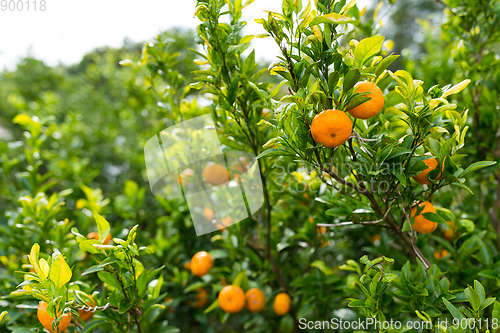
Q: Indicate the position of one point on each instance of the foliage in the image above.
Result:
(75, 165)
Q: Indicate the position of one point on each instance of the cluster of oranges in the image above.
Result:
(333, 127)
(232, 298)
(47, 320)
(423, 225)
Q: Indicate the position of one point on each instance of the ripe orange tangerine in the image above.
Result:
(208, 214)
(215, 174)
(281, 304)
(423, 225)
(87, 315)
(201, 263)
(432, 164)
(371, 107)
(441, 254)
(225, 222)
(448, 234)
(256, 300)
(232, 299)
(46, 320)
(200, 300)
(331, 128)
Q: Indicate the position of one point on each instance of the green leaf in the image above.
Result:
(476, 166)
(93, 269)
(60, 273)
(109, 279)
(384, 63)
(88, 246)
(212, 307)
(332, 18)
(22, 119)
(319, 264)
(496, 310)
(356, 303)
(399, 173)
(366, 49)
(2, 315)
(102, 226)
(333, 79)
(350, 79)
(142, 283)
(286, 324)
(487, 302)
(480, 290)
(473, 298)
(433, 217)
(33, 258)
(465, 187)
(276, 152)
(453, 310)
(238, 280)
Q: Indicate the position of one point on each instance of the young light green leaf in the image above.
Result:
(456, 88)
(332, 18)
(319, 264)
(2, 315)
(60, 273)
(102, 226)
(367, 48)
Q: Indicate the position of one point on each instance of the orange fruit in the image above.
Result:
(331, 128)
(86, 315)
(208, 214)
(201, 263)
(441, 254)
(423, 225)
(281, 304)
(201, 299)
(46, 320)
(321, 229)
(187, 265)
(95, 235)
(225, 222)
(256, 300)
(448, 234)
(215, 174)
(232, 299)
(432, 164)
(371, 107)
(375, 238)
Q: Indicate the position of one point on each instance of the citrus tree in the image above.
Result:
(363, 168)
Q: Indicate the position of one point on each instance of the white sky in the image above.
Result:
(68, 29)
